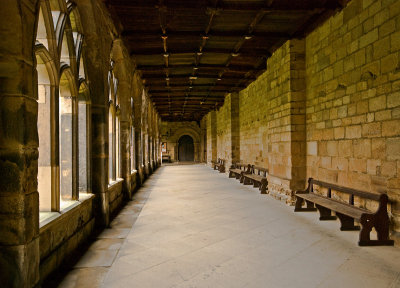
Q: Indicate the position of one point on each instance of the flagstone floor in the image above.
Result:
(190, 226)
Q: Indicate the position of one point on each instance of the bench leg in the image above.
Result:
(231, 174)
(299, 205)
(237, 176)
(263, 187)
(325, 213)
(368, 222)
(347, 223)
(246, 181)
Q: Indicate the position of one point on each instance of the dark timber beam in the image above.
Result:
(231, 68)
(277, 6)
(187, 76)
(183, 52)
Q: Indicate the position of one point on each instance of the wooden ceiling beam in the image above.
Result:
(202, 93)
(161, 76)
(277, 6)
(190, 98)
(209, 51)
(173, 86)
(231, 68)
(137, 34)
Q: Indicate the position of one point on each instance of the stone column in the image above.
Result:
(298, 115)
(203, 140)
(96, 60)
(19, 198)
(196, 151)
(287, 138)
(124, 94)
(235, 129)
(212, 137)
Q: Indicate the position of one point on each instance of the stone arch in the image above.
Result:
(68, 107)
(190, 132)
(186, 131)
(66, 48)
(44, 58)
(47, 79)
(45, 31)
(84, 163)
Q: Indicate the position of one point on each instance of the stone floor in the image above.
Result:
(198, 228)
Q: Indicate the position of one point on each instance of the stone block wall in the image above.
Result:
(211, 137)
(353, 99)
(63, 235)
(224, 133)
(327, 107)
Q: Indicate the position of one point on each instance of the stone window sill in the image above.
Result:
(47, 217)
(115, 182)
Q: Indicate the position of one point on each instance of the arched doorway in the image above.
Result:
(186, 148)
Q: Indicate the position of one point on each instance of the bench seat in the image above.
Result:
(235, 172)
(348, 212)
(257, 176)
(238, 169)
(337, 206)
(219, 165)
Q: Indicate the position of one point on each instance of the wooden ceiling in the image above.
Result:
(191, 53)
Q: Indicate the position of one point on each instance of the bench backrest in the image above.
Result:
(240, 166)
(350, 191)
(259, 171)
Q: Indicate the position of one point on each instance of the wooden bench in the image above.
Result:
(219, 165)
(238, 169)
(348, 212)
(258, 177)
(166, 158)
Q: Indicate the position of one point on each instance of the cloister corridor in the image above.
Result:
(189, 226)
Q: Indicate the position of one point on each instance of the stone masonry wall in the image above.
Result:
(211, 137)
(271, 115)
(353, 99)
(328, 106)
(224, 135)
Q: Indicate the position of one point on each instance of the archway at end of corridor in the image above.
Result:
(186, 148)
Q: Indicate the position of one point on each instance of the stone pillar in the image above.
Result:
(138, 155)
(100, 161)
(99, 113)
(146, 154)
(124, 94)
(298, 115)
(212, 137)
(287, 138)
(19, 199)
(137, 121)
(196, 151)
(203, 140)
(235, 129)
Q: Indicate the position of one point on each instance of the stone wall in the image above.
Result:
(63, 234)
(224, 133)
(29, 254)
(328, 107)
(265, 124)
(211, 119)
(353, 99)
